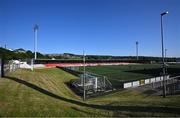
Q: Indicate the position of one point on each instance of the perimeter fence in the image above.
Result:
(7, 66)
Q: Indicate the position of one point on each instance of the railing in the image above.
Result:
(7, 66)
(154, 81)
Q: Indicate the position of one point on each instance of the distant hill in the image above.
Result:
(108, 57)
(27, 54)
(178, 59)
(20, 50)
(64, 56)
(19, 54)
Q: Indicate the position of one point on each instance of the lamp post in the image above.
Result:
(137, 58)
(84, 76)
(166, 60)
(36, 27)
(163, 63)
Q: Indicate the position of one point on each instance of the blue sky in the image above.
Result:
(103, 27)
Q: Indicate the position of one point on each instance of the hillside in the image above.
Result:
(19, 54)
(28, 54)
(44, 93)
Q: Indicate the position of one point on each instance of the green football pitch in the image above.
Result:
(123, 73)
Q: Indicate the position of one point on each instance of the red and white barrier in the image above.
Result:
(81, 64)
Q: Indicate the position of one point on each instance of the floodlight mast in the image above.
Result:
(84, 76)
(163, 62)
(36, 27)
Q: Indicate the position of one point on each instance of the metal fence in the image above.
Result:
(7, 66)
(94, 83)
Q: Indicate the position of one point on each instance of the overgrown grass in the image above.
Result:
(44, 93)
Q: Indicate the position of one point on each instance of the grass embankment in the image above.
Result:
(44, 93)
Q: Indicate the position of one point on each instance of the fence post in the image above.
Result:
(104, 82)
(152, 84)
(10, 67)
(2, 67)
(32, 64)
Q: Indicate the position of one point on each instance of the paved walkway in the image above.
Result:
(157, 90)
